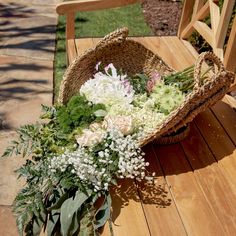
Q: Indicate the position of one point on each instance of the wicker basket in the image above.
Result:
(134, 58)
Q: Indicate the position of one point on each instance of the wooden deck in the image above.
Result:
(195, 188)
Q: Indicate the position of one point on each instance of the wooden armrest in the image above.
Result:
(90, 5)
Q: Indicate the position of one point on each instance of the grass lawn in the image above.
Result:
(97, 24)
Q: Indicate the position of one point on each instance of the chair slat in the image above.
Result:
(205, 31)
(90, 5)
(230, 53)
(202, 13)
(197, 6)
(71, 50)
(224, 22)
(215, 16)
(70, 26)
(186, 17)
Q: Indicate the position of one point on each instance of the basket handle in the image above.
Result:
(118, 36)
(218, 67)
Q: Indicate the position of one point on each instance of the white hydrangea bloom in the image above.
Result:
(108, 89)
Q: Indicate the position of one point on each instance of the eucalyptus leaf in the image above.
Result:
(37, 227)
(103, 213)
(68, 209)
(58, 204)
(52, 222)
(74, 225)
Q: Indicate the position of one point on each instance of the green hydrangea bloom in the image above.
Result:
(167, 97)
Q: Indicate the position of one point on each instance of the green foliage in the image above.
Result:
(69, 209)
(56, 200)
(184, 79)
(30, 210)
(77, 113)
(39, 140)
(139, 82)
(48, 139)
(103, 213)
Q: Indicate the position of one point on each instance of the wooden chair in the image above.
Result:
(192, 15)
(195, 192)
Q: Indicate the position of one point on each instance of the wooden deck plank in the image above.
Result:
(219, 143)
(159, 207)
(166, 47)
(193, 207)
(159, 47)
(127, 215)
(214, 184)
(96, 40)
(83, 44)
(184, 55)
(227, 117)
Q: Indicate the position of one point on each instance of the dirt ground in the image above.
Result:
(163, 16)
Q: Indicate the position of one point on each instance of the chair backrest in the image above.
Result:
(220, 13)
(70, 8)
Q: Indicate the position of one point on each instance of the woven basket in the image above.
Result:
(134, 58)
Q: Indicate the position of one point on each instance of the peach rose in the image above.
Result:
(90, 138)
(123, 123)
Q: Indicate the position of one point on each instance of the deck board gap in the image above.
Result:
(210, 168)
(200, 186)
(144, 213)
(205, 141)
(229, 136)
(169, 189)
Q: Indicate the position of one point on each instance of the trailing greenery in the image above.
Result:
(48, 198)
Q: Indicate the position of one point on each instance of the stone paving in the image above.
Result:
(27, 45)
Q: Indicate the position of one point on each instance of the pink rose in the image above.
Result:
(155, 79)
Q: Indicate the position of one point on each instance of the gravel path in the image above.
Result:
(163, 16)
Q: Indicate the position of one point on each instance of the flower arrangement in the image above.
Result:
(83, 147)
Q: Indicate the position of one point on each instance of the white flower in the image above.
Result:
(108, 89)
(123, 159)
(90, 138)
